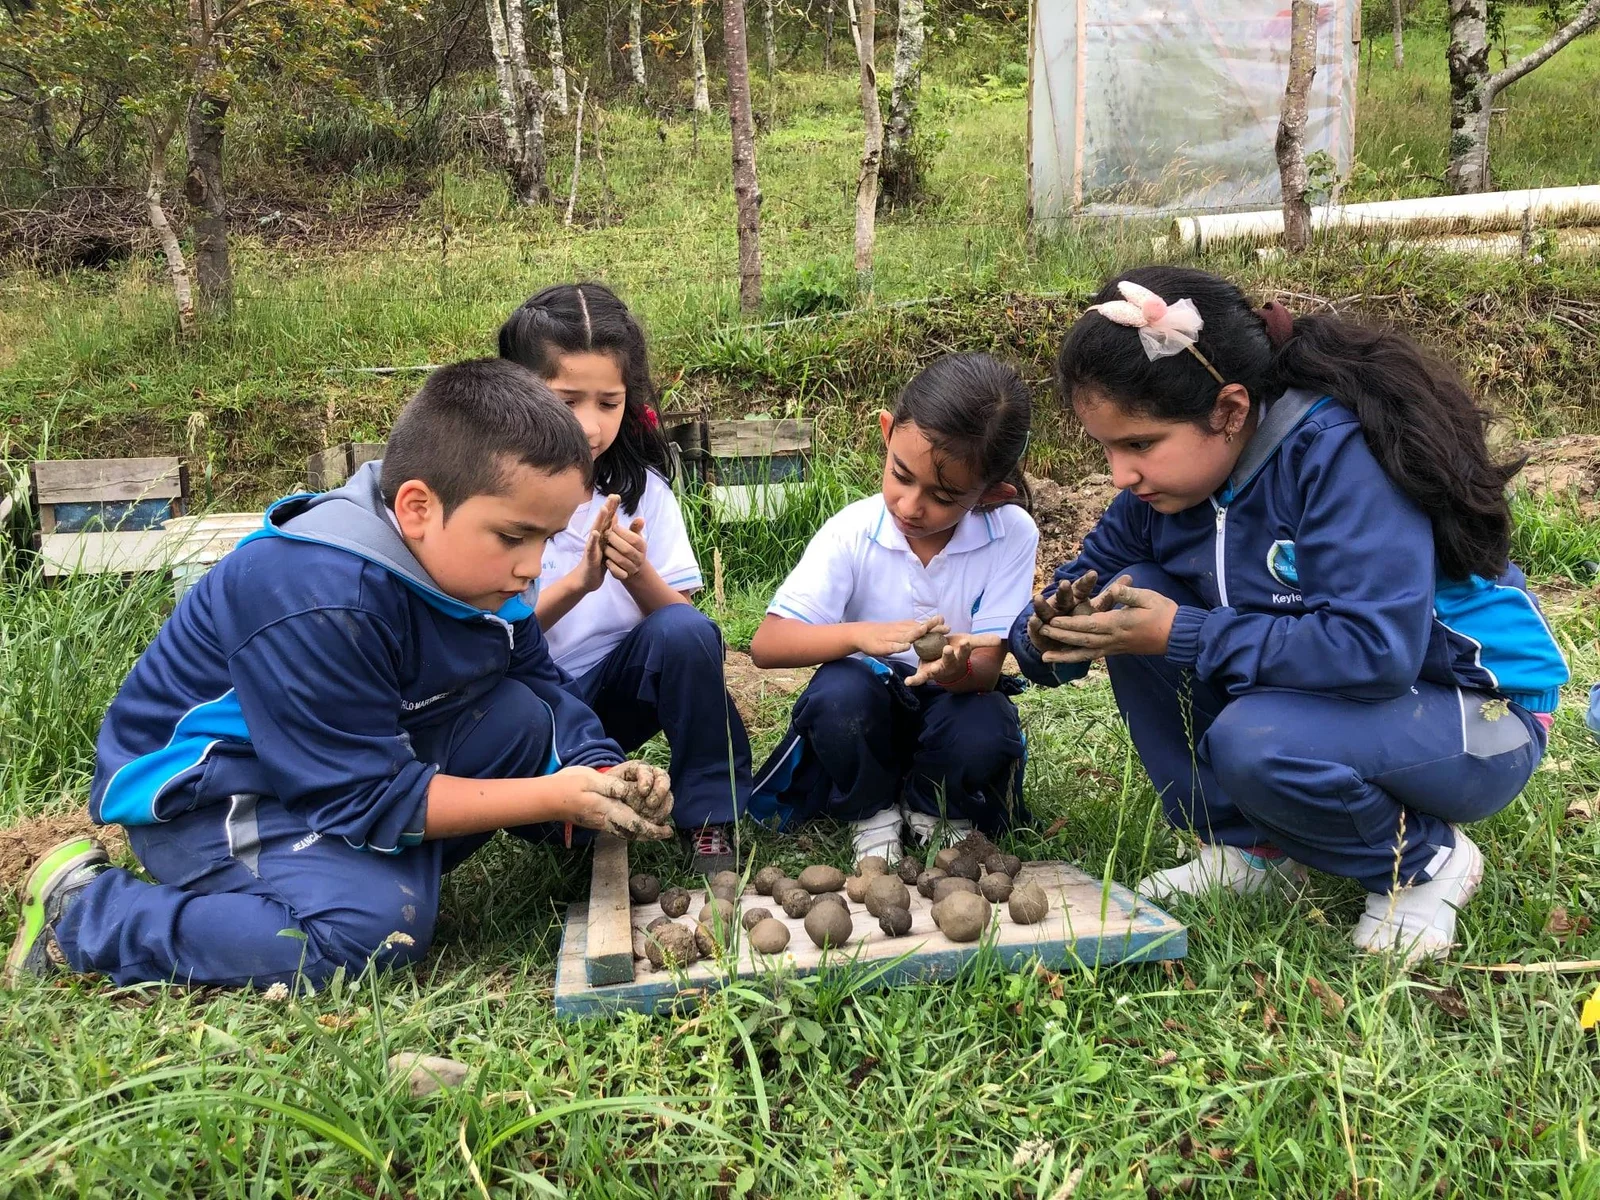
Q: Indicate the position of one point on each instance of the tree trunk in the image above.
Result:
(865, 35)
(44, 138)
(176, 267)
(746, 188)
(577, 154)
(769, 35)
(521, 102)
(202, 182)
(1292, 125)
(1468, 57)
(636, 41)
(1399, 34)
(902, 173)
(558, 59)
(1473, 90)
(827, 39)
(697, 48)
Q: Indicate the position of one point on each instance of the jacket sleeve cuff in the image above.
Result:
(1183, 643)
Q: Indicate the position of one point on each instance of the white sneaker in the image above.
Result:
(1419, 921)
(1228, 867)
(925, 827)
(878, 834)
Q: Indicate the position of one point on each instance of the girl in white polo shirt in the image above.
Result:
(614, 604)
(879, 738)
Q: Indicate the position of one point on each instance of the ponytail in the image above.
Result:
(1419, 419)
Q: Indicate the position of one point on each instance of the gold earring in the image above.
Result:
(1229, 439)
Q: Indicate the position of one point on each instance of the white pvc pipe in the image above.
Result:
(1485, 211)
(1566, 242)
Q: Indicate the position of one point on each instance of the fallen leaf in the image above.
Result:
(1450, 1001)
(1056, 827)
(1556, 766)
(1168, 1057)
(1261, 984)
(1561, 925)
(1332, 1003)
(427, 1073)
(1068, 1185)
(1269, 1019)
(1583, 810)
(862, 1069)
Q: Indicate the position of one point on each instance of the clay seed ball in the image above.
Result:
(671, 945)
(1002, 864)
(1029, 904)
(705, 942)
(765, 878)
(721, 891)
(769, 936)
(716, 913)
(829, 925)
(945, 857)
(830, 898)
(657, 924)
(928, 879)
(977, 844)
(950, 885)
(962, 917)
(641, 943)
(780, 885)
(644, 889)
(995, 886)
(929, 647)
(796, 902)
(966, 867)
(855, 886)
(754, 916)
(896, 922)
(818, 879)
(726, 881)
(872, 864)
(887, 891)
(675, 902)
(909, 868)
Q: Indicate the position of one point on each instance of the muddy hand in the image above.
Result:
(644, 788)
(887, 638)
(952, 666)
(593, 801)
(1070, 599)
(1125, 620)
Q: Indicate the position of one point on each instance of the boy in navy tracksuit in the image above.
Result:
(1322, 654)
(344, 709)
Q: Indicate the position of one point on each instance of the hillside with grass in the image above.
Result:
(1271, 1061)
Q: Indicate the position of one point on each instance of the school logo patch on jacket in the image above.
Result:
(1280, 564)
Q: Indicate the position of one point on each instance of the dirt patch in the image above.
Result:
(1564, 466)
(23, 845)
(1065, 512)
(750, 686)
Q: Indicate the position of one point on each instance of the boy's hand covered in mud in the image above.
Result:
(644, 788)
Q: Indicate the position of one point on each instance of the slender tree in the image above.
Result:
(697, 49)
(558, 59)
(636, 41)
(1399, 34)
(1292, 125)
(746, 188)
(521, 102)
(862, 30)
(902, 173)
(1473, 88)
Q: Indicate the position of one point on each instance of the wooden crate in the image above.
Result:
(103, 516)
(749, 466)
(331, 468)
(1090, 924)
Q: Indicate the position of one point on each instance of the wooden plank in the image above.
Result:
(361, 453)
(89, 479)
(758, 439)
(1090, 924)
(608, 949)
(327, 469)
(105, 553)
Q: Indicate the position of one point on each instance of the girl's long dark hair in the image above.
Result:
(1421, 422)
(976, 410)
(589, 318)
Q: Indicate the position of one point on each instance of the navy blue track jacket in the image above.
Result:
(299, 666)
(1318, 574)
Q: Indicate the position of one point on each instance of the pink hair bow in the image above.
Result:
(1164, 329)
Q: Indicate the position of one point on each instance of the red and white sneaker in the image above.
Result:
(710, 850)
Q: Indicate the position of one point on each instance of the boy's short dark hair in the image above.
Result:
(468, 418)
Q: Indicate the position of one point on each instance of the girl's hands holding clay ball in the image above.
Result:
(595, 801)
(1122, 619)
(954, 659)
(626, 549)
(887, 638)
(644, 788)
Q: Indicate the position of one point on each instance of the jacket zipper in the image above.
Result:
(1221, 544)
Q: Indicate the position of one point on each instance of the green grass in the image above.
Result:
(1227, 1075)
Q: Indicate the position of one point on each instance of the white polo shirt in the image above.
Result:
(859, 568)
(598, 622)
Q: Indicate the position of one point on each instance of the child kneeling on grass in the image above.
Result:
(615, 606)
(1324, 657)
(342, 710)
(878, 738)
